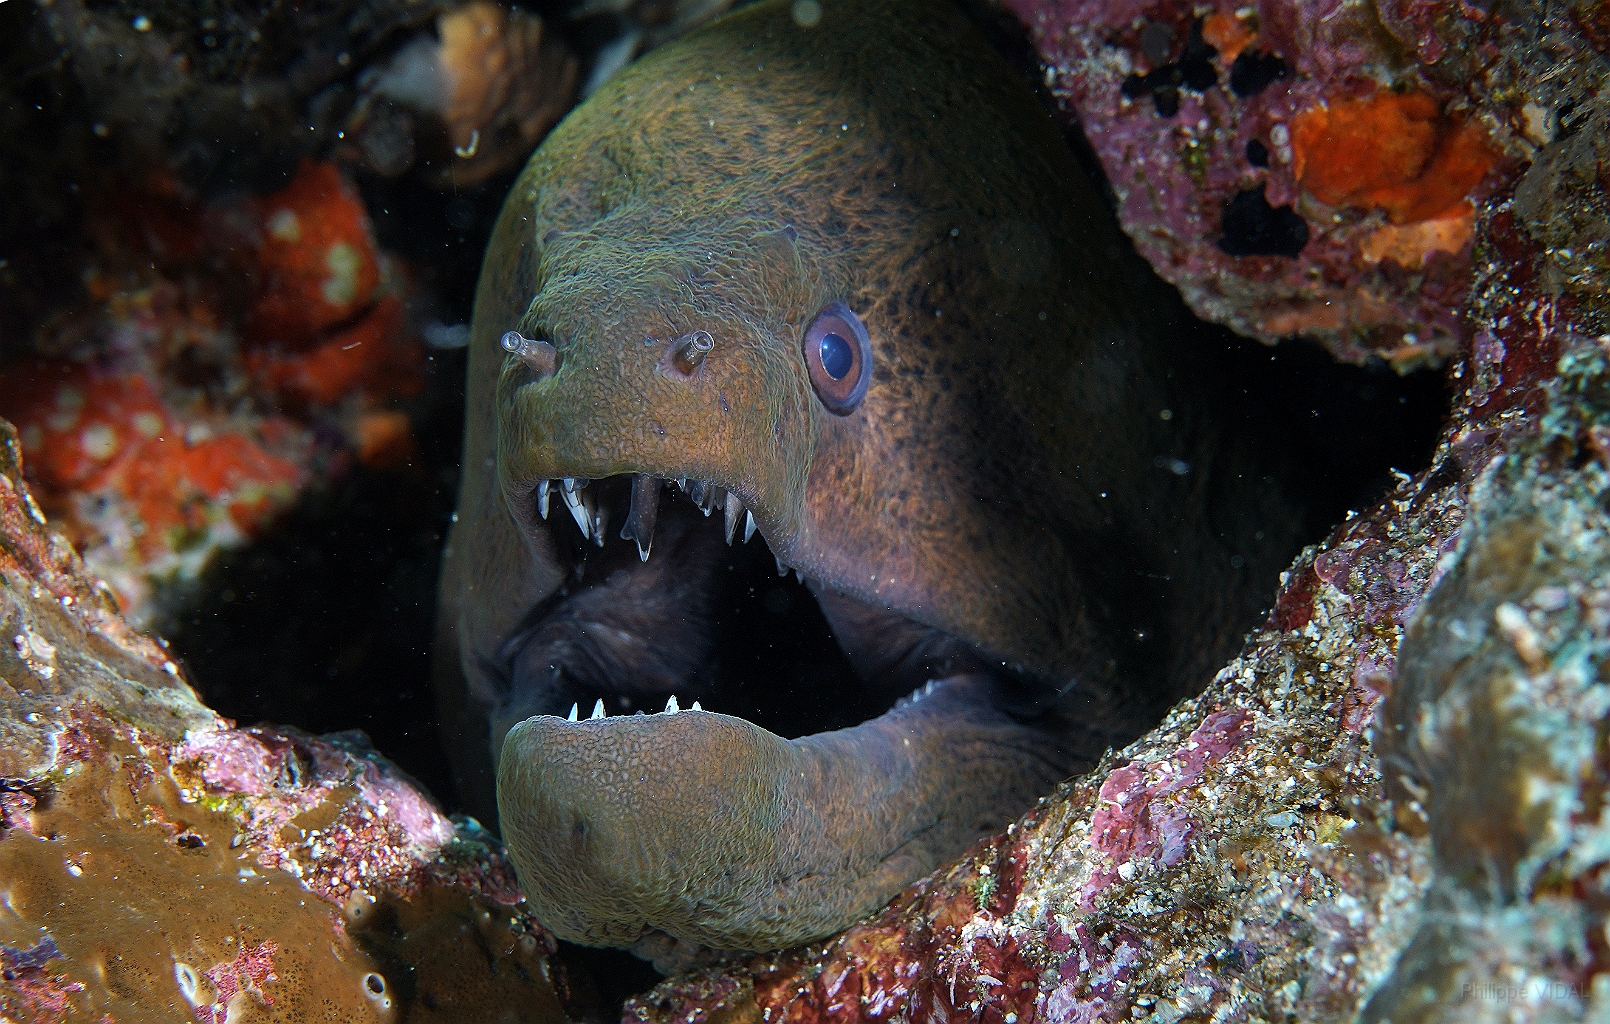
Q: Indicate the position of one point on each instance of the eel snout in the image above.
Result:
(715, 831)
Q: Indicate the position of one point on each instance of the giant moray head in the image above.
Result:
(882, 324)
(839, 291)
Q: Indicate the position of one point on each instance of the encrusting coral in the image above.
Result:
(160, 864)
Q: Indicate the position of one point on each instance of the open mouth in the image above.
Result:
(671, 592)
(647, 788)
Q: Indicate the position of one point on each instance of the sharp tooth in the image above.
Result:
(734, 511)
(641, 515)
(578, 512)
(600, 516)
(749, 525)
(542, 497)
(598, 710)
(782, 570)
(670, 706)
(696, 706)
(574, 483)
(696, 491)
(573, 709)
(713, 496)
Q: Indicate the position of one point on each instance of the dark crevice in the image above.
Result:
(1253, 72)
(1195, 70)
(1254, 228)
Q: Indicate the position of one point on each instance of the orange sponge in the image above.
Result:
(1394, 151)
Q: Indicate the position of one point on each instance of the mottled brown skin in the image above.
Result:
(1000, 512)
(794, 799)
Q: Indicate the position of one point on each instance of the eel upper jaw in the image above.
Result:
(592, 517)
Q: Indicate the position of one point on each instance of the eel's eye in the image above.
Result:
(838, 355)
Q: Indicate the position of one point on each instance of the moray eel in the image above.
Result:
(836, 294)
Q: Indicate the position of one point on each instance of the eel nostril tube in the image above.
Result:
(541, 357)
(689, 350)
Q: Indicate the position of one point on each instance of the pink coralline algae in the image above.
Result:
(160, 864)
(35, 994)
(248, 973)
(1134, 818)
(1286, 164)
(381, 827)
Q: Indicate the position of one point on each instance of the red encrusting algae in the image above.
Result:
(190, 403)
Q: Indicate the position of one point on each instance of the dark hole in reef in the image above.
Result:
(443, 236)
(326, 622)
(1194, 70)
(1253, 71)
(1254, 228)
(1197, 70)
(1257, 153)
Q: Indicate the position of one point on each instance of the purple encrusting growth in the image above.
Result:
(386, 830)
(1237, 236)
(1135, 817)
(33, 958)
(35, 994)
(250, 971)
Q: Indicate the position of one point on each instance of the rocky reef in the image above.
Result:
(1296, 167)
(1390, 806)
(161, 864)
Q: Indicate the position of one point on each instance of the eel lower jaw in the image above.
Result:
(717, 833)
